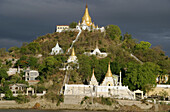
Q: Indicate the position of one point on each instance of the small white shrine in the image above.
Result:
(97, 53)
(72, 61)
(93, 80)
(73, 57)
(56, 50)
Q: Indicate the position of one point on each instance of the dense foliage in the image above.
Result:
(136, 74)
(73, 25)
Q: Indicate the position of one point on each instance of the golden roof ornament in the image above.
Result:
(73, 53)
(86, 17)
(109, 73)
(93, 25)
(93, 73)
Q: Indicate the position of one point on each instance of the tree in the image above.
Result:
(8, 94)
(2, 82)
(15, 79)
(33, 62)
(127, 36)
(164, 94)
(22, 99)
(139, 76)
(24, 50)
(12, 49)
(40, 88)
(34, 47)
(74, 76)
(3, 73)
(113, 31)
(3, 52)
(143, 45)
(85, 68)
(73, 25)
(23, 62)
(49, 66)
(0, 63)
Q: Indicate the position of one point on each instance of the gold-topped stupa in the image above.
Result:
(93, 73)
(109, 73)
(73, 53)
(87, 17)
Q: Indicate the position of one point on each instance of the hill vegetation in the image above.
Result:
(136, 74)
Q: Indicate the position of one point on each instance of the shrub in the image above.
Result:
(106, 101)
(22, 99)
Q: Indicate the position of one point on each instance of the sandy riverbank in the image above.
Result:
(123, 105)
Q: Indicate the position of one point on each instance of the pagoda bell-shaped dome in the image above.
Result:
(73, 53)
(109, 73)
(87, 17)
(93, 80)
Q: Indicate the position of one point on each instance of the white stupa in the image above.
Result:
(56, 50)
(73, 57)
(97, 53)
(93, 80)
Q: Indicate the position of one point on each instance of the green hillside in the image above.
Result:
(139, 71)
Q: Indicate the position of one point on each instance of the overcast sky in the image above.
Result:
(25, 20)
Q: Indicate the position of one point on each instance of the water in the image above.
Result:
(33, 110)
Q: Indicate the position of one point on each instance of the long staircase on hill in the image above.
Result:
(66, 80)
(75, 39)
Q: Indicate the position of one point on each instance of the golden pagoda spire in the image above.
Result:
(93, 73)
(109, 73)
(93, 25)
(86, 17)
(73, 53)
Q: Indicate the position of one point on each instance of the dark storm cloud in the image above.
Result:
(25, 20)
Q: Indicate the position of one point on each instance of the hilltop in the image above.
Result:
(135, 59)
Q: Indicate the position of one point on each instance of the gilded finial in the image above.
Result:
(86, 17)
(73, 53)
(93, 72)
(109, 73)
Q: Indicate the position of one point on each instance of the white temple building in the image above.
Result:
(97, 53)
(56, 50)
(108, 88)
(30, 76)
